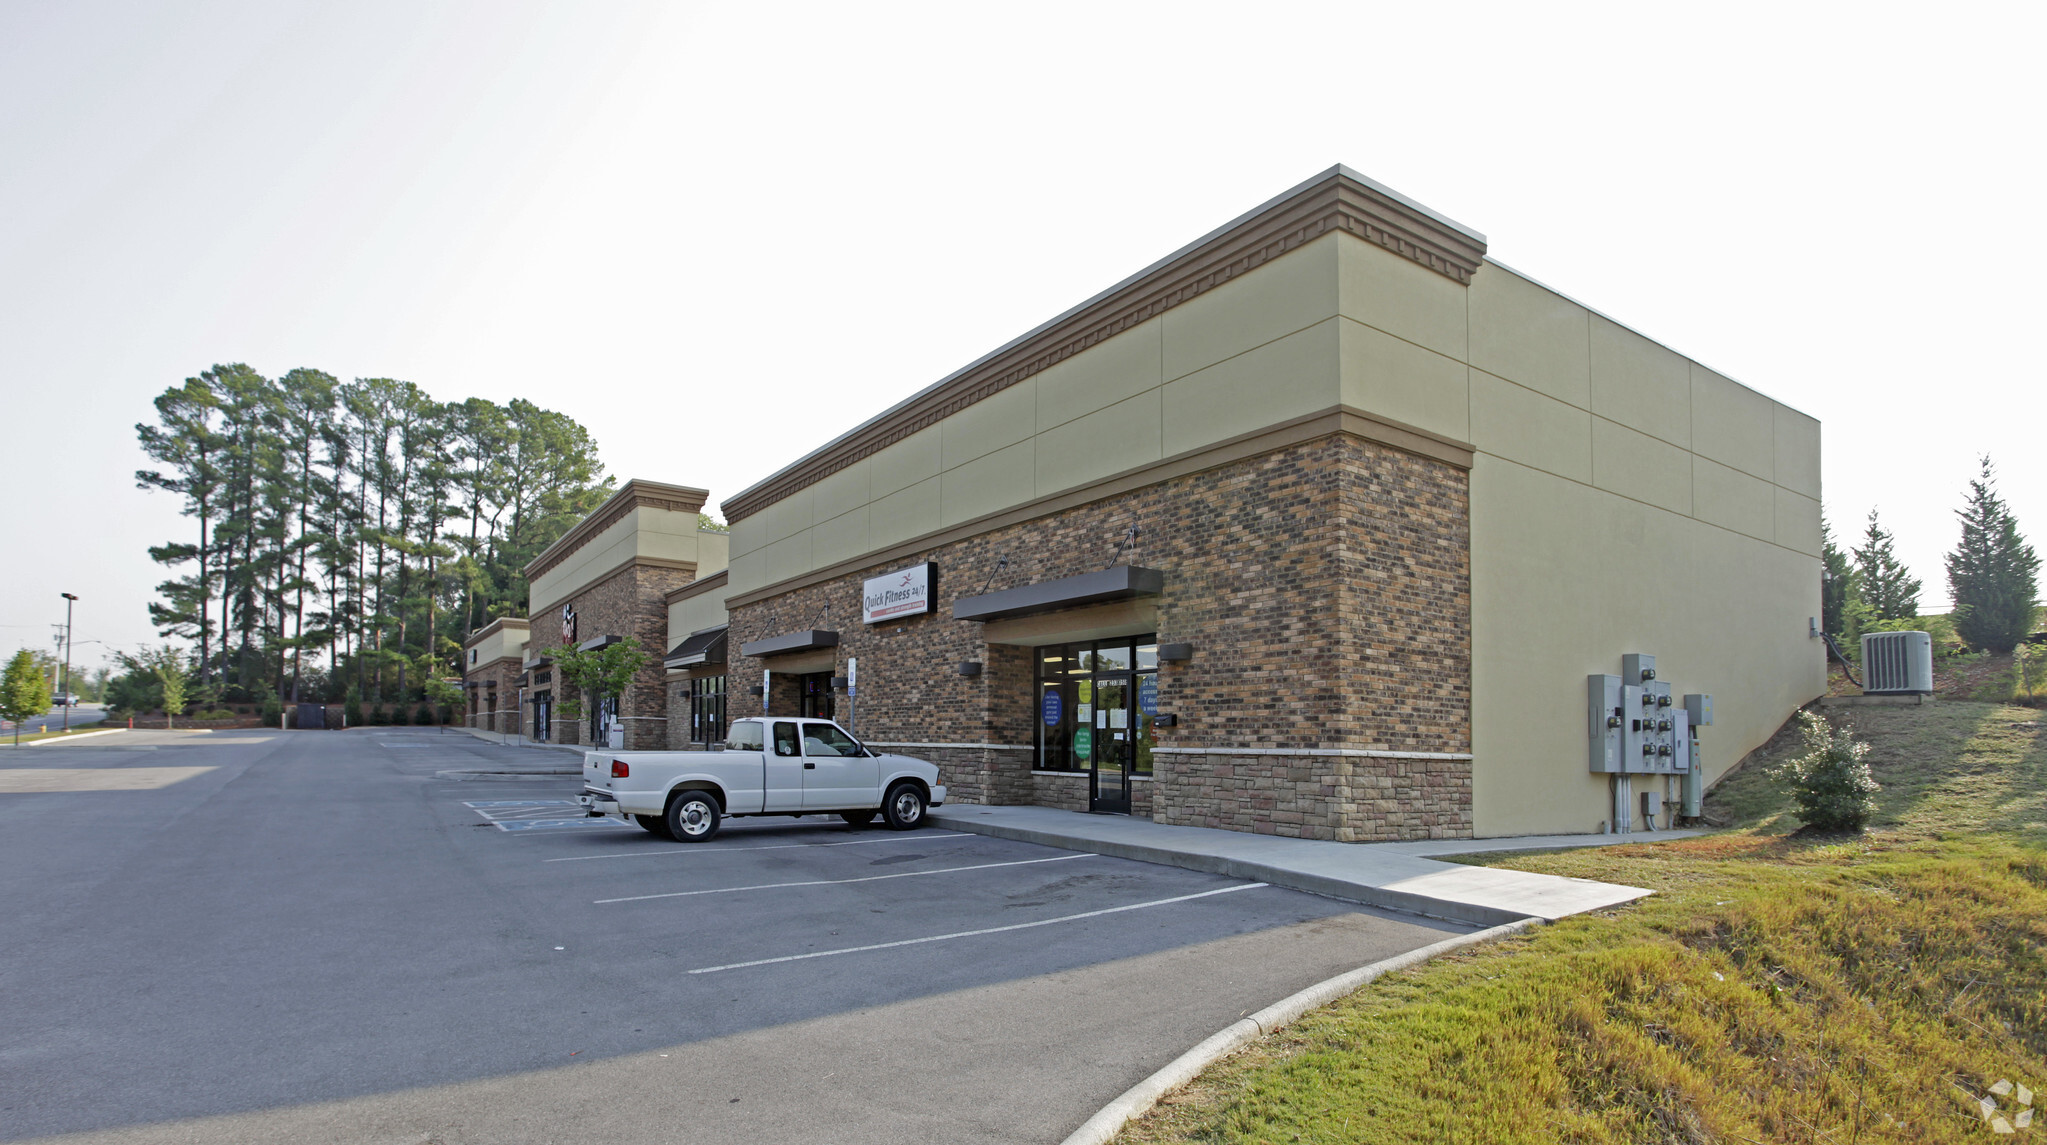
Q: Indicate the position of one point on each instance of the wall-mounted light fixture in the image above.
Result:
(758, 690)
(969, 668)
(838, 683)
(1176, 653)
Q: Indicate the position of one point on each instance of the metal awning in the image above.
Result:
(596, 642)
(704, 646)
(802, 641)
(1122, 582)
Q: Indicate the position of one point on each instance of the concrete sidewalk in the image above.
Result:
(514, 739)
(1398, 876)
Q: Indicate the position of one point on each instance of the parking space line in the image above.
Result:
(842, 882)
(974, 933)
(905, 838)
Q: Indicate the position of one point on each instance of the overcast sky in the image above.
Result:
(719, 235)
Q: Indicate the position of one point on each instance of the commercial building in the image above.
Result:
(604, 581)
(1315, 527)
(493, 660)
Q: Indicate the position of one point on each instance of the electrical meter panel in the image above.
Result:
(1636, 748)
(1639, 725)
(1659, 724)
(1605, 712)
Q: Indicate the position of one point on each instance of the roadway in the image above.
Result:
(84, 715)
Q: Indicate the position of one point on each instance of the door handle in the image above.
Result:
(808, 766)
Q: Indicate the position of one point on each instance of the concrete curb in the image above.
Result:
(1138, 1099)
(72, 738)
(1406, 902)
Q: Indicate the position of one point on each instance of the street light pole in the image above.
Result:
(69, 600)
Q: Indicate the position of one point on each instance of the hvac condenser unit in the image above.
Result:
(1897, 663)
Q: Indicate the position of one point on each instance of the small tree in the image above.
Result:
(1888, 587)
(1830, 782)
(591, 676)
(24, 692)
(444, 694)
(1993, 573)
(172, 675)
(167, 665)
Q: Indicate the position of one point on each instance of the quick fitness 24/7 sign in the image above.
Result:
(891, 596)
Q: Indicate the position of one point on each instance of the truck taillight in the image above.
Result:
(619, 770)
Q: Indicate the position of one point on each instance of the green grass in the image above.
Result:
(1777, 988)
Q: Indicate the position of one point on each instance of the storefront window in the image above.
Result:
(707, 710)
(1095, 702)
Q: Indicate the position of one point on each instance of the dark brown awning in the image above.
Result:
(803, 641)
(1122, 582)
(706, 646)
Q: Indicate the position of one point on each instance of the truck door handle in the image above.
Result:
(808, 766)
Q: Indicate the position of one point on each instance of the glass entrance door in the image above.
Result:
(1093, 716)
(1109, 786)
(815, 692)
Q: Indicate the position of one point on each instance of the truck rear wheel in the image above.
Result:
(693, 817)
(904, 806)
(652, 825)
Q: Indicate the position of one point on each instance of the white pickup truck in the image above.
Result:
(766, 766)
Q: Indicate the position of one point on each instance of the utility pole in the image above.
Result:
(69, 600)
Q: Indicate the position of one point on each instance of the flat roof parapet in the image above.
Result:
(1337, 200)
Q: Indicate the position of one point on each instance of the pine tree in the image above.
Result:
(1840, 584)
(1993, 573)
(1889, 588)
(330, 526)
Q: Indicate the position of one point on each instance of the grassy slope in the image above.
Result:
(1777, 988)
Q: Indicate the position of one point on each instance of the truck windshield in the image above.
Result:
(827, 739)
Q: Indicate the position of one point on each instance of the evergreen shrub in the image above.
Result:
(1830, 781)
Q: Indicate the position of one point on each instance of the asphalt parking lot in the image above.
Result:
(347, 936)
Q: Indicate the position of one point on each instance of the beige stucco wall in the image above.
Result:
(643, 533)
(496, 641)
(1624, 498)
(1260, 349)
(694, 614)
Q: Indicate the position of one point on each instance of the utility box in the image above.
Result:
(1605, 715)
(1694, 782)
(1638, 668)
(1652, 808)
(1680, 741)
(1699, 709)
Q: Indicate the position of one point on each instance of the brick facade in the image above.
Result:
(629, 603)
(493, 695)
(1325, 587)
